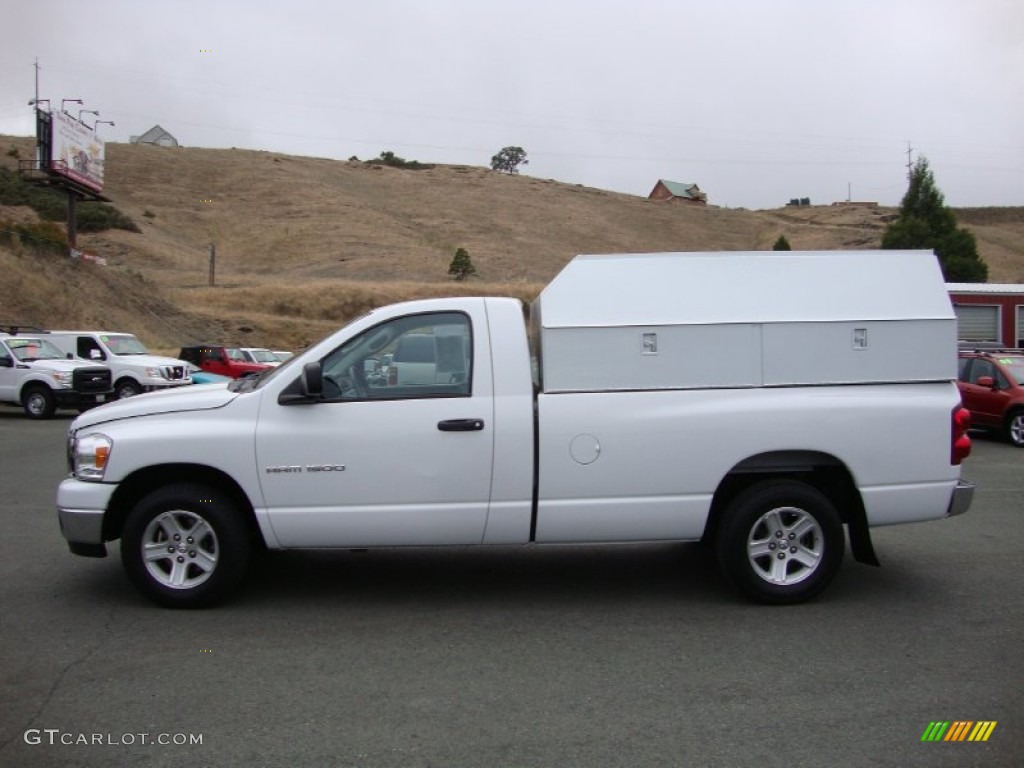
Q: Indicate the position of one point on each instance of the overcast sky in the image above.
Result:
(757, 101)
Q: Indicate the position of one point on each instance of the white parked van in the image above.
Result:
(135, 370)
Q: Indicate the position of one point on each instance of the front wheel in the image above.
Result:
(185, 546)
(126, 388)
(780, 541)
(1015, 428)
(38, 402)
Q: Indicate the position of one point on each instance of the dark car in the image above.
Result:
(991, 385)
(226, 361)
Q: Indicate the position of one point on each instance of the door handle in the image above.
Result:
(461, 425)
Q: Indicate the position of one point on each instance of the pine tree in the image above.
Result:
(782, 244)
(926, 222)
(461, 266)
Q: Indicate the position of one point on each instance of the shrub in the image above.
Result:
(394, 161)
(40, 236)
(53, 206)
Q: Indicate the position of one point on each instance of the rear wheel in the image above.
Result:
(1015, 428)
(38, 402)
(780, 541)
(185, 546)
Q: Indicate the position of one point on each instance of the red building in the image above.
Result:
(674, 190)
(989, 313)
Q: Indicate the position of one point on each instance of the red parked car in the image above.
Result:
(226, 361)
(991, 385)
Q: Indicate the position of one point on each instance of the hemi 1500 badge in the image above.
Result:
(297, 469)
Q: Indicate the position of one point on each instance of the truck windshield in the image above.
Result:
(124, 344)
(29, 350)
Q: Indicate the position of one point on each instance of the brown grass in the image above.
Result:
(304, 244)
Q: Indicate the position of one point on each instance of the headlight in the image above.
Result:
(155, 373)
(62, 377)
(89, 455)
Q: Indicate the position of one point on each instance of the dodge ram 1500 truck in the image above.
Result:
(759, 402)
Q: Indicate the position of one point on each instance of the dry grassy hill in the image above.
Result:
(304, 244)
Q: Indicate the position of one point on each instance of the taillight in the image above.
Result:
(961, 441)
(392, 375)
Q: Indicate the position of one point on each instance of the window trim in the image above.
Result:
(440, 395)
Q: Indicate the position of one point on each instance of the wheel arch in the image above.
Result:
(33, 383)
(129, 378)
(822, 471)
(146, 480)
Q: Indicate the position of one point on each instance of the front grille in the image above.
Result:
(174, 372)
(91, 380)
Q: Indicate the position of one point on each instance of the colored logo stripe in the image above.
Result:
(982, 730)
(959, 730)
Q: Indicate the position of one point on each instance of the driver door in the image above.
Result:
(378, 462)
(8, 375)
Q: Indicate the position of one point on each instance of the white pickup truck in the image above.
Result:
(756, 401)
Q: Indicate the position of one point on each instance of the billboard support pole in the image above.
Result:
(72, 219)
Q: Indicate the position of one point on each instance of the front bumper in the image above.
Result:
(69, 398)
(80, 510)
(158, 385)
(963, 495)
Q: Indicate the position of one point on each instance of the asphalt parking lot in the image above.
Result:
(563, 656)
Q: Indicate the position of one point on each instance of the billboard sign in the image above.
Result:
(77, 152)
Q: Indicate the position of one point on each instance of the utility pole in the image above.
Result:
(213, 262)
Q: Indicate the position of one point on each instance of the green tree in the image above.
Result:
(926, 222)
(782, 244)
(509, 160)
(461, 266)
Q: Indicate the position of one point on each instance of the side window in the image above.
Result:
(88, 349)
(416, 356)
(963, 366)
(981, 368)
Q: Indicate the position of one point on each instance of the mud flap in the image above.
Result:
(860, 541)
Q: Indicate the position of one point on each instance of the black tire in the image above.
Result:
(38, 401)
(126, 388)
(749, 536)
(206, 561)
(1015, 428)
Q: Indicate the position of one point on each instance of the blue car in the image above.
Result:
(199, 376)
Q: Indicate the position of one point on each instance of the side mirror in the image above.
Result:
(986, 381)
(312, 380)
(6, 362)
